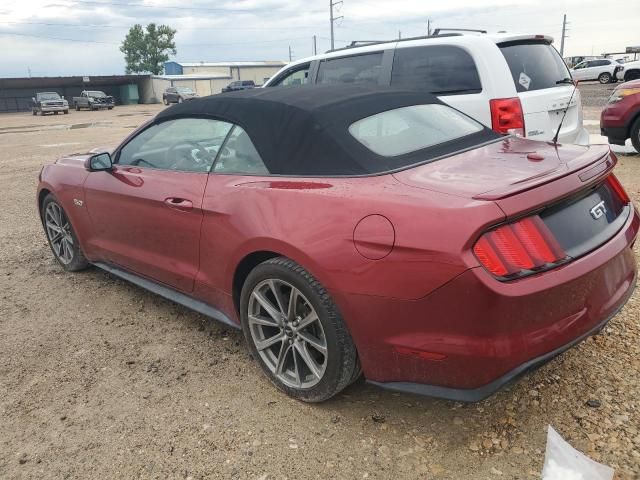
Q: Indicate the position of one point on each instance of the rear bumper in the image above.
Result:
(480, 393)
(479, 333)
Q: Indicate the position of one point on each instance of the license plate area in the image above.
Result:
(584, 223)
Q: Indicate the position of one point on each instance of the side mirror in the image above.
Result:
(100, 162)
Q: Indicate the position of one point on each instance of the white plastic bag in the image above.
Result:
(563, 462)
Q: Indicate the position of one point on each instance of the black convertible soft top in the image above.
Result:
(303, 130)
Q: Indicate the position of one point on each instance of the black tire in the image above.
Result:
(109, 108)
(66, 112)
(55, 113)
(77, 107)
(632, 75)
(604, 78)
(342, 365)
(78, 260)
(34, 111)
(634, 132)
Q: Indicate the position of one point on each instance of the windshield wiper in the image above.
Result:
(564, 80)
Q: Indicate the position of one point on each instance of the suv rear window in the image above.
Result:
(534, 65)
(438, 69)
(354, 69)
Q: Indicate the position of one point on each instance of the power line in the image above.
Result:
(123, 26)
(44, 37)
(161, 7)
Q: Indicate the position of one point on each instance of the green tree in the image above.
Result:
(146, 51)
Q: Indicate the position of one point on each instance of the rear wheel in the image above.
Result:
(62, 239)
(604, 78)
(635, 134)
(632, 75)
(295, 331)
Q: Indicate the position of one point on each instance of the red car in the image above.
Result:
(356, 229)
(620, 119)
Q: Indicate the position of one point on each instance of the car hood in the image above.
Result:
(502, 168)
(630, 84)
(78, 159)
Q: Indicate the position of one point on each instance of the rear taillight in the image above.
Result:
(616, 186)
(519, 249)
(507, 116)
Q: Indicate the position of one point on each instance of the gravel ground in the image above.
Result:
(100, 379)
(594, 94)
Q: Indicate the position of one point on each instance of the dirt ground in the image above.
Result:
(100, 379)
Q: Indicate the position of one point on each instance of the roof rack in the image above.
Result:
(438, 30)
(365, 43)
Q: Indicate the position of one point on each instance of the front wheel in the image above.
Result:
(296, 332)
(604, 78)
(635, 135)
(62, 239)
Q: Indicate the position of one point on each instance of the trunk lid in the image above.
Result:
(502, 169)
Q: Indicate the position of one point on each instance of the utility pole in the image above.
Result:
(564, 34)
(290, 54)
(428, 27)
(315, 46)
(399, 35)
(333, 19)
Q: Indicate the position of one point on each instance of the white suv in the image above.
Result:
(602, 69)
(631, 71)
(511, 83)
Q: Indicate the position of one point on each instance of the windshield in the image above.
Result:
(534, 65)
(48, 96)
(96, 94)
(408, 129)
(184, 90)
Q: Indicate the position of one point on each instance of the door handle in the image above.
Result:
(179, 204)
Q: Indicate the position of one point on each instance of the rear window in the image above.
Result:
(409, 129)
(534, 65)
(438, 69)
(355, 69)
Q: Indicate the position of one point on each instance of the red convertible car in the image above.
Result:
(354, 230)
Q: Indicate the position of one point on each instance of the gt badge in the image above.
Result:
(598, 210)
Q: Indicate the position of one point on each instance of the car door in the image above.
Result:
(580, 71)
(147, 212)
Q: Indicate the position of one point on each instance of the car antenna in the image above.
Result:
(564, 114)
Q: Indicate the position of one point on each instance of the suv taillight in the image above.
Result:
(507, 116)
(519, 249)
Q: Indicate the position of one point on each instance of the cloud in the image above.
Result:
(59, 37)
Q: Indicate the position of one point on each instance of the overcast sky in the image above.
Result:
(81, 37)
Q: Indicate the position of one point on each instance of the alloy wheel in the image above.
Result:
(59, 232)
(287, 333)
